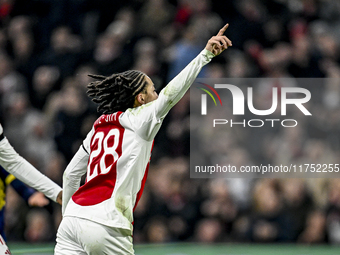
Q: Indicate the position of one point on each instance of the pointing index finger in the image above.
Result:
(223, 29)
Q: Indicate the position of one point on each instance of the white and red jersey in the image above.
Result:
(114, 179)
(115, 156)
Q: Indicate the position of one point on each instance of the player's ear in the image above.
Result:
(140, 98)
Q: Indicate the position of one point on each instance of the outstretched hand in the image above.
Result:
(217, 44)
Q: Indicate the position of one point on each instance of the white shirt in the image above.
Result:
(119, 147)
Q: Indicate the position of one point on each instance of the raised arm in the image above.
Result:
(178, 86)
(13, 163)
(151, 114)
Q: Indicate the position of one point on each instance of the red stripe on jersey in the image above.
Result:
(106, 148)
(140, 192)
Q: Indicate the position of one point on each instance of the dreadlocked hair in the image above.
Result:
(116, 92)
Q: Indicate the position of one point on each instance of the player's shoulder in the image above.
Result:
(141, 111)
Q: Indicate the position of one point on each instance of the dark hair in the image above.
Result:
(116, 92)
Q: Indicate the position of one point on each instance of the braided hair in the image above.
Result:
(116, 92)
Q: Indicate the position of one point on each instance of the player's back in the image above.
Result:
(116, 172)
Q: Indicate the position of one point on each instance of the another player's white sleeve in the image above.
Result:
(147, 118)
(25, 172)
(75, 170)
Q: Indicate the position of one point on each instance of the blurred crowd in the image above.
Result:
(48, 47)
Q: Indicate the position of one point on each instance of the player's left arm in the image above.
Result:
(177, 87)
(13, 163)
(152, 114)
